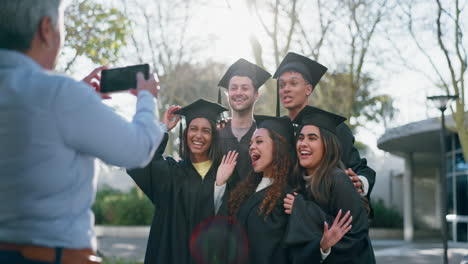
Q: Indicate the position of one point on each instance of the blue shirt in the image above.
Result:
(51, 129)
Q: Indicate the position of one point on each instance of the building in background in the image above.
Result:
(418, 143)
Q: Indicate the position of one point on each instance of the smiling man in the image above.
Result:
(242, 81)
(297, 77)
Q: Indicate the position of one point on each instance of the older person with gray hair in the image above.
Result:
(51, 130)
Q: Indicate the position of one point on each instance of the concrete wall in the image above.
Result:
(426, 191)
(388, 186)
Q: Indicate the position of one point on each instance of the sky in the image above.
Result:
(230, 25)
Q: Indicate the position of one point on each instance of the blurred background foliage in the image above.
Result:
(114, 207)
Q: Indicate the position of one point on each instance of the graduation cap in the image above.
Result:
(318, 117)
(311, 70)
(244, 68)
(200, 108)
(281, 125)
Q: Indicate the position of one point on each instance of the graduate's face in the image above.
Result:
(242, 94)
(294, 91)
(199, 135)
(261, 150)
(309, 147)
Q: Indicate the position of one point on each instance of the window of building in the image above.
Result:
(457, 190)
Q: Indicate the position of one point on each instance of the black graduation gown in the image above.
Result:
(306, 226)
(229, 142)
(182, 199)
(265, 236)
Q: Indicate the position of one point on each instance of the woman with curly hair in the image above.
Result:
(326, 191)
(256, 203)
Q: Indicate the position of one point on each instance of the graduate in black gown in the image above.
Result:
(297, 77)
(256, 203)
(181, 191)
(242, 81)
(327, 191)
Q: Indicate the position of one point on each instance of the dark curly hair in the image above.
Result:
(282, 163)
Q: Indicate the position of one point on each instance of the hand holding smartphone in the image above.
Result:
(122, 79)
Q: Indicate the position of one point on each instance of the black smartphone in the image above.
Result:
(121, 79)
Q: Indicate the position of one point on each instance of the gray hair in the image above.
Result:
(20, 19)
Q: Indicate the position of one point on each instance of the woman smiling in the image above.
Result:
(327, 191)
(182, 191)
(256, 202)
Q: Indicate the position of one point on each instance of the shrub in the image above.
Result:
(385, 217)
(113, 207)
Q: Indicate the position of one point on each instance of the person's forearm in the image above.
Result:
(93, 128)
(218, 196)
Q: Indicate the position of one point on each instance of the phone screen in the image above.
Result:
(121, 79)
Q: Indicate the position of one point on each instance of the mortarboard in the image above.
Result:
(201, 108)
(281, 125)
(311, 70)
(315, 116)
(244, 68)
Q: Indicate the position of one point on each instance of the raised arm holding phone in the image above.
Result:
(52, 128)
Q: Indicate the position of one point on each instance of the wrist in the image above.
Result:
(324, 247)
(220, 183)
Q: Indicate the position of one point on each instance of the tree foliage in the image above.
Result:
(344, 32)
(94, 31)
(442, 25)
(333, 93)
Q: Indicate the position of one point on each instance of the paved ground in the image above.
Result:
(386, 251)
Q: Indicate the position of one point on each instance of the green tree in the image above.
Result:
(94, 31)
(334, 93)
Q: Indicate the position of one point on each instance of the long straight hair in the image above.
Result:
(321, 182)
(214, 152)
(282, 167)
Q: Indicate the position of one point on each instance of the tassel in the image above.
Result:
(219, 95)
(180, 138)
(277, 99)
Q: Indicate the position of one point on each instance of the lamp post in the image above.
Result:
(441, 102)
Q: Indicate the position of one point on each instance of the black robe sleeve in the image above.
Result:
(307, 221)
(156, 176)
(307, 253)
(351, 157)
(305, 231)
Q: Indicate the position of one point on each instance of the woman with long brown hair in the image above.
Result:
(182, 191)
(327, 191)
(256, 202)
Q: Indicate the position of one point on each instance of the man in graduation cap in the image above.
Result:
(242, 81)
(297, 77)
